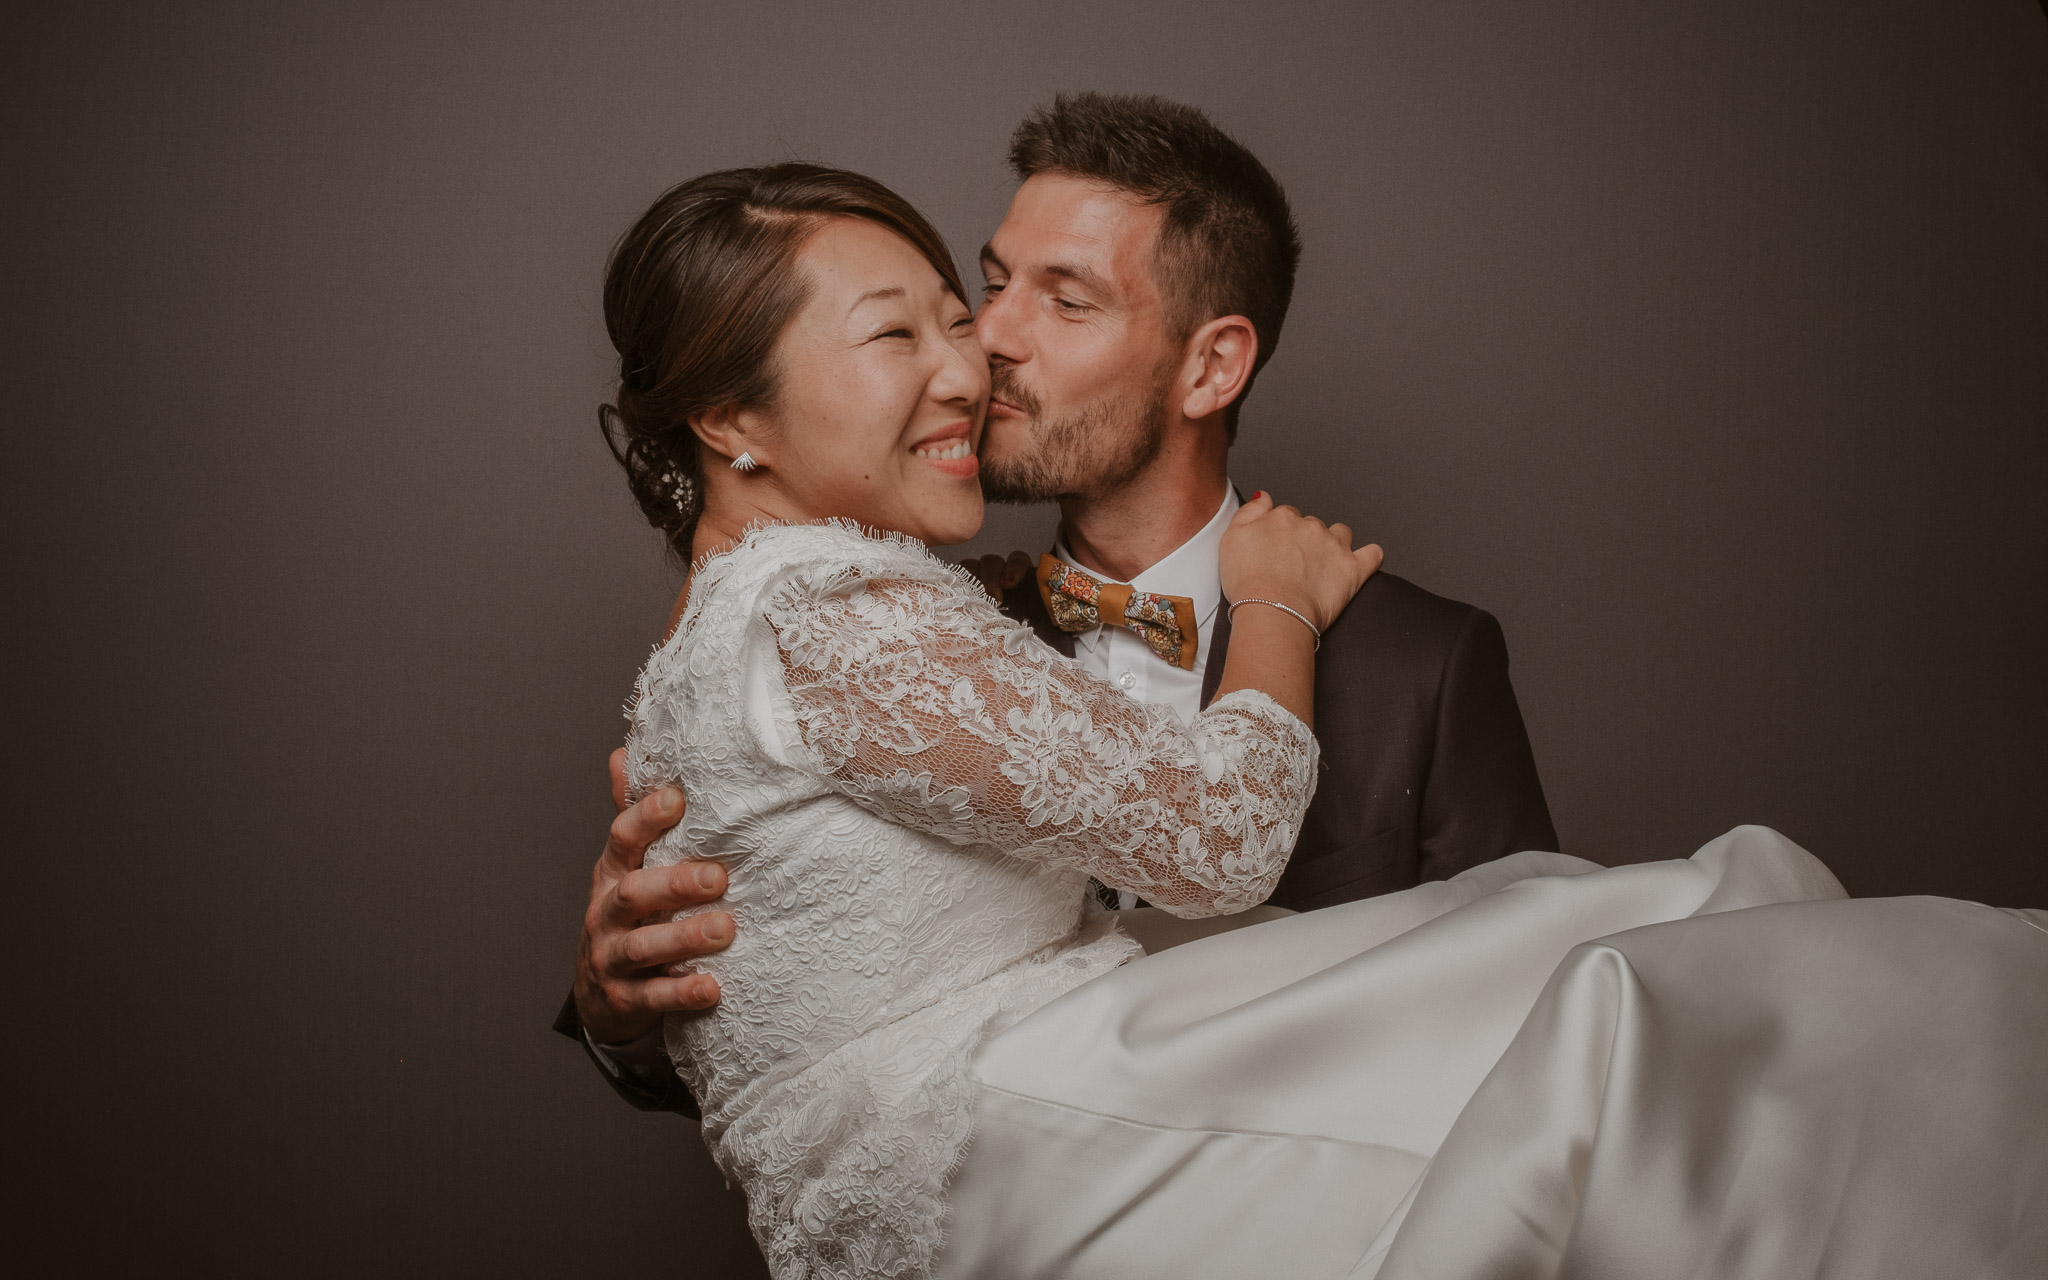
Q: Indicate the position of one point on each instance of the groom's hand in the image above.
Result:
(622, 981)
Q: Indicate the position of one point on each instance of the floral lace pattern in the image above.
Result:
(909, 792)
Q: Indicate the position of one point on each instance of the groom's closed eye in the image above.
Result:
(1086, 281)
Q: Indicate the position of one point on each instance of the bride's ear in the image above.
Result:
(728, 432)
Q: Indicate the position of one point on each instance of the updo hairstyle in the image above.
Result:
(696, 294)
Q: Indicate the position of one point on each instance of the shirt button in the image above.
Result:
(1127, 681)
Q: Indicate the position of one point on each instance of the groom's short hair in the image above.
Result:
(1228, 245)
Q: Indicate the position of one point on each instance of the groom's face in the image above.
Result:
(1079, 350)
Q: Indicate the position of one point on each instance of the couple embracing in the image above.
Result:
(872, 945)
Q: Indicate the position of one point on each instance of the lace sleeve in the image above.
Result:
(926, 706)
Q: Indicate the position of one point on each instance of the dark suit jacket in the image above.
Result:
(1426, 768)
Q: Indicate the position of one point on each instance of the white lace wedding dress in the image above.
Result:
(931, 1058)
(909, 792)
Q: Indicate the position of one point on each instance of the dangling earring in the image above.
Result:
(745, 462)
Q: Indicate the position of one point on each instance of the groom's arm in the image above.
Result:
(1482, 800)
(622, 986)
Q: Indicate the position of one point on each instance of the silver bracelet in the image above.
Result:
(1239, 604)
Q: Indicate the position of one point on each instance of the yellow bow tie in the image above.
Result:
(1078, 602)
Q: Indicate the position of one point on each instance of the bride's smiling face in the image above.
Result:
(881, 388)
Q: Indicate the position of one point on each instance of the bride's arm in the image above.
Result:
(922, 703)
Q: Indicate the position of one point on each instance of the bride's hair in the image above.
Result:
(696, 294)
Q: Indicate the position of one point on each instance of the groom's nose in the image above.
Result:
(1002, 335)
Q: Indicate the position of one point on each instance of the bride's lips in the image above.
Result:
(950, 449)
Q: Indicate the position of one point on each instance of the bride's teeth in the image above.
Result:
(958, 449)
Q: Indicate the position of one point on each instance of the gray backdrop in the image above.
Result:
(1705, 344)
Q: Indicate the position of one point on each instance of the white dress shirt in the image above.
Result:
(1120, 656)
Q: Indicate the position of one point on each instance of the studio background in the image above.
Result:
(1704, 344)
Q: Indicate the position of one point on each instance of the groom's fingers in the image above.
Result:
(648, 892)
(620, 989)
(676, 995)
(620, 981)
(652, 946)
(617, 1010)
(636, 827)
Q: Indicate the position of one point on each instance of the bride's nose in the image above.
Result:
(962, 374)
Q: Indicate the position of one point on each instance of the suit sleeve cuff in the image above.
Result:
(644, 1061)
(639, 1072)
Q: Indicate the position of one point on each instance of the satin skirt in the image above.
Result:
(1711, 1067)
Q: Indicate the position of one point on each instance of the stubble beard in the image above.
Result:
(1094, 450)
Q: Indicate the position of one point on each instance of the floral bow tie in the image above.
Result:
(1078, 602)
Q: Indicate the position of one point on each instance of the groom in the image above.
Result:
(1135, 289)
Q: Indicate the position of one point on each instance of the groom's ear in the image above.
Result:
(1218, 362)
(730, 431)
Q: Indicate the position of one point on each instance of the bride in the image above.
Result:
(933, 1055)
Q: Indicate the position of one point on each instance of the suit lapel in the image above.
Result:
(1219, 639)
(1219, 642)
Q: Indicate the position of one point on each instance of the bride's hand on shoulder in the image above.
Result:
(1274, 552)
(998, 574)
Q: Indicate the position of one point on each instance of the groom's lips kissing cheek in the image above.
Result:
(950, 449)
(1010, 427)
(1001, 411)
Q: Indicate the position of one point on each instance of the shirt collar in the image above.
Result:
(1190, 569)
